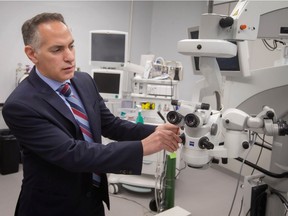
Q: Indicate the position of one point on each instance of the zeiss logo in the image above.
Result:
(191, 143)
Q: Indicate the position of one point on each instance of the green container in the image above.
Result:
(139, 118)
(170, 181)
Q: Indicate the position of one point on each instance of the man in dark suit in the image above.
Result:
(58, 161)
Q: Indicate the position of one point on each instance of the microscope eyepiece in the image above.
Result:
(173, 117)
(191, 120)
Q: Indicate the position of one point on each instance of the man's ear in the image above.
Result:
(31, 54)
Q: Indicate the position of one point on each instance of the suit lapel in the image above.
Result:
(49, 95)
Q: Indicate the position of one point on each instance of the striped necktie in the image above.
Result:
(81, 118)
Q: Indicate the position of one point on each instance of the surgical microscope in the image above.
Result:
(210, 135)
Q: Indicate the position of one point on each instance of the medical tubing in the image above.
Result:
(239, 176)
(160, 193)
(218, 101)
(260, 153)
(268, 143)
(266, 172)
(161, 116)
(263, 146)
(281, 197)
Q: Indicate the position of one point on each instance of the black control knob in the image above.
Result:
(270, 114)
(245, 145)
(205, 144)
(174, 102)
(224, 160)
(226, 22)
(215, 161)
(283, 128)
(182, 136)
(205, 106)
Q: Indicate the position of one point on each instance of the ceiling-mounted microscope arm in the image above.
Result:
(246, 16)
(242, 23)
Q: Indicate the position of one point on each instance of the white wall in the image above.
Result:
(81, 17)
(170, 24)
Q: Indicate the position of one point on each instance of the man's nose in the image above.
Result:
(69, 55)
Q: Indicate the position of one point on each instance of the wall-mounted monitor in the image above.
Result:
(109, 83)
(108, 49)
(235, 66)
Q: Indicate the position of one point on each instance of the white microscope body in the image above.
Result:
(209, 135)
(201, 131)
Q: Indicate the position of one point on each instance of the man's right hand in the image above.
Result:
(164, 138)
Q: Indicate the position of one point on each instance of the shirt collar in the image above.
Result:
(52, 83)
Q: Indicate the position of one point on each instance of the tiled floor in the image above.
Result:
(202, 192)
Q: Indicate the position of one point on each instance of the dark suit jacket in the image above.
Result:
(57, 163)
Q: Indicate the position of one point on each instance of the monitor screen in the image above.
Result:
(235, 66)
(109, 83)
(108, 49)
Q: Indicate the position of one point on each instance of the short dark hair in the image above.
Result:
(29, 28)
